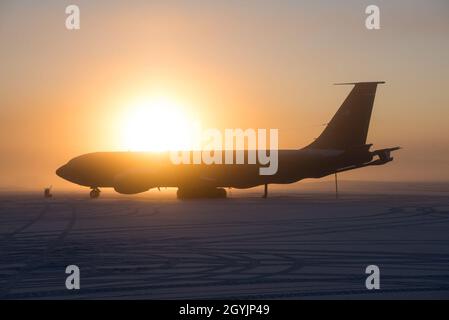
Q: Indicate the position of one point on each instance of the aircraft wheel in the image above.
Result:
(95, 193)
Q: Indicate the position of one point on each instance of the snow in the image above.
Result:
(288, 246)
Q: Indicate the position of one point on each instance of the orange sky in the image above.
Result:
(231, 64)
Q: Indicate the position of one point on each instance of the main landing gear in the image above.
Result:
(94, 193)
(192, 193)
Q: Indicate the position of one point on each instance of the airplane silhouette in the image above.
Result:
(340, 147)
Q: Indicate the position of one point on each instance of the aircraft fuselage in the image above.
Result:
(146, 170)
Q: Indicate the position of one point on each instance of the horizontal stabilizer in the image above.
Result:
(353, 83)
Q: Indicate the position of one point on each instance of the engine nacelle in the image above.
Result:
(131, 184)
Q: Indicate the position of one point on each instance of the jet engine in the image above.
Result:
(131, 184)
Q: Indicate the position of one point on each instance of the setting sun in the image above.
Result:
(157, 124)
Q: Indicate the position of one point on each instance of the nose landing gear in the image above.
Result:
(94, 193)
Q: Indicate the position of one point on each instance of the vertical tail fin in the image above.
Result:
(349, 126)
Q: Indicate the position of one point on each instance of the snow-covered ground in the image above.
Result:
(288, 246)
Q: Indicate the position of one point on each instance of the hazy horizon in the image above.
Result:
(228, 64)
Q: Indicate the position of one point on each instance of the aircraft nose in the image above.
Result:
(61, 171)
